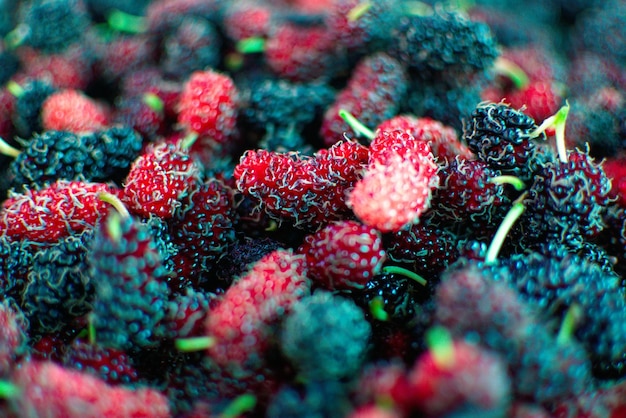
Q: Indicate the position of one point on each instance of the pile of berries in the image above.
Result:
(312, 208)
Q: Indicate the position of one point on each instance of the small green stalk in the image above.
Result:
(8, 390)
(516, 182)
(239, 405)
(356, 125)
(91, 330)
(507, 223)
(417, 8)
(124, 22)
(117, 204)
(17, 36)
(187, 142)
(234, 61)
(559, 128)
(273, 226)
(358, 11)
(15, 89)
(114, 226)
(407, 273)
(570, 322)
(512, 71)
(154, 102)
(462, 5)
(557, 121)
(377, 309)
(8, 150)
(440, 344)
(253, 45)
(188, 345)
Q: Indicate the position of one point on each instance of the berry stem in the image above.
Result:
(273, 226)
(239, 405)
(234, 61)
(115, 201)
(253, 45)
(91, 331)
(516, 182)
(512, 71)
(570, 322)
(17, 36)
(356, 125)
(124, 22)
(462, 5)
(15, 89)
(8, 150)
(377, 309)
(187, 142)
(559, 128)
(8, 390)
(114, 226)
(417, 8)
(408, 273)
(440, 344)
(359, 10)
(154, 102)
(194, 344)
(507, 223)
(558, 122)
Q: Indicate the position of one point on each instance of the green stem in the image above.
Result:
(194, 344)
(128, 23)
(114, 226)
(154, 102)
(8, 390)
(187, 142)
(559, 128)
(440, 344)
(516, 182)
(512, 71)
(253, 45)
(417, 8)
(509, 220)
(234, 61)
(356, 124)
(15, 89)
(91, 330)
(408, 273)
(115, 201)
(273, 226)
(377, 309)
(8, 150)
(17, 36)
(570, 322)
(239, 405)
(359, 10)
(462, 5)
(557, 121)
